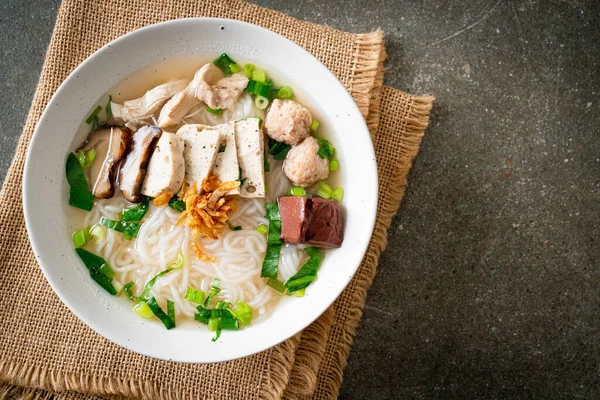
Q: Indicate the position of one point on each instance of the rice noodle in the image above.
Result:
(238, 254)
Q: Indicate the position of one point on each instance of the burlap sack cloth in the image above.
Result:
(46, 352)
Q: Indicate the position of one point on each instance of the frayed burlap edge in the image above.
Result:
(417, 122)
(369, 54)
(310, 352)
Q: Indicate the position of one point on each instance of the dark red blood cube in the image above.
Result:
(313, 221)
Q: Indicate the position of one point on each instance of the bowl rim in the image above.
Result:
(28, 186)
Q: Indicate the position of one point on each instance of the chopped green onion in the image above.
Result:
(262, 229)
(325, 191)
(258, 89)
(129, 229)
(338, 194)
(213, 111)
(222, 148)
(129, 292)
(151, 283)
(243, 312)
(222, 305)
(285, 92)
(261, 102)
(300, 293)
(203, 315)
(298, 191)
(278, 150)
(334, 165)
(86, 158)
(156, 310)
(276, 284)
(259, 75)
(214, 290)
(143, 310)
(248, 68)
(307, 273)
(177, 264)
(98, 269)
(217, 336)
(235, 68)
(171, 310)
(135, 213)
(315, 125)
(93, 115)
(117, 285)
(80, 195)
(326, 149)
(195, 296)
(224, 62)
(81, 237)
(213, 324)
(260, 121)
(177, 205)
(237, 228)
(322, 152)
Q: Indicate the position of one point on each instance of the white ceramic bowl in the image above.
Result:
(61, 128)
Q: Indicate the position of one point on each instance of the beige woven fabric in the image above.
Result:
(43, 345)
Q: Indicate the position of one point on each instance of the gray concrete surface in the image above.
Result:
(489, 285)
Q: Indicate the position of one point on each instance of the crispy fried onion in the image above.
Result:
(163, 199)
(207, 213)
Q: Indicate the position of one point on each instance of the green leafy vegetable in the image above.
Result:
(135, 213)
(177, 205)
(129, 229)
(271, 260)
(156, 310)
(278, 150)
(80, 195)
(171, 311)
(266, 165)
(276, 284)
(99, 270)
(308, 273)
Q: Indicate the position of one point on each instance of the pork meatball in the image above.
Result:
(287, 122)
(303, 166)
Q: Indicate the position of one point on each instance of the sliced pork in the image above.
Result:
(141, 111)
(182, 102)
(134, 166)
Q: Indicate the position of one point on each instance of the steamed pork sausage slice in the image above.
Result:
(288, 122)
(133, 168)
(166, 169)
(180, 104)
(303, 166)
(137, 112)
(111, 145)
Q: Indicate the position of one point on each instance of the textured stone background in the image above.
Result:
(488, 287)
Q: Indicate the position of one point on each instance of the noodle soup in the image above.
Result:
(207, 193)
